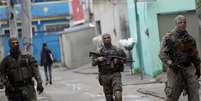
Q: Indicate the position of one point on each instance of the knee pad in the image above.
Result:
(118, 95)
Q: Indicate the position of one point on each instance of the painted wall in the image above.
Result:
(52, 42)
(76, 44)
(111, 14)
(53, 9)
(45, 9)
(133, 31)
(39, 37)
(149, 28)
(105, 12)
(38, 40)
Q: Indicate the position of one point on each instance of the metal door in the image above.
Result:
(166, 23)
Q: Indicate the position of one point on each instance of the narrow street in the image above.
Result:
(65, 31)
(72, 86)
(82, 85)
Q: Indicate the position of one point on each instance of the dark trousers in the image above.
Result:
(24, 93)
(48, 72)
(112, 86)
(177, 82)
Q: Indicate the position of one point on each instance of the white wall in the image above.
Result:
(109, 15)
(76, 45)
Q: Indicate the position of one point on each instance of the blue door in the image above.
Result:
(53, 44)
(38, 40)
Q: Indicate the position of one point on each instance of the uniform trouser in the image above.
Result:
(25, 93)
(112, 86)
(48, 72)
(178, 81)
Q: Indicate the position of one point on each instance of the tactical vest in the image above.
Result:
(183, 47)
(19, 70)
(107, 67)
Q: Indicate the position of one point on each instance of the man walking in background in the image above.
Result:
(47, 61)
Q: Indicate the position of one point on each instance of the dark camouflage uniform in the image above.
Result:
(180, 47)
(17, 77)
(110, 75)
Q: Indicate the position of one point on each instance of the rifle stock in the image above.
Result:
(109, 57)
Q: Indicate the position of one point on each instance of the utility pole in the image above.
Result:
(12, 18)
(26, 25)
(90, 9)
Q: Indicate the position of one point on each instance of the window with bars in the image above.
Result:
(56, 27)
(45, 0)
(7, 31)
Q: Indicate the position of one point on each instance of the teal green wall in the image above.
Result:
(148, 20)
(133, 31)
(164, 6)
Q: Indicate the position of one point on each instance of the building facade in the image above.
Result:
(155, 19)
(111, 16)
(48, 19)
(100, 16)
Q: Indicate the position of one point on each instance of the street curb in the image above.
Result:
(151, 93)
(85, 72)
(126, 84)
(79, 71)
(143, 83)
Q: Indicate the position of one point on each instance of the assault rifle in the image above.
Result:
(109, 57)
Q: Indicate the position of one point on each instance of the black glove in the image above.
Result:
(197, 73)
(40, 88)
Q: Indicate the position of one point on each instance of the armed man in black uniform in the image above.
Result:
(110, 71)
(17, 71)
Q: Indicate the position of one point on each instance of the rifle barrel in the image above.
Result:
(109, 56)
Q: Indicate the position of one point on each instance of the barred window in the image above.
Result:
(7, 31)
(56, 27)
(45, 0)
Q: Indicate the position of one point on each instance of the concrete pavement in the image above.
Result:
(127, 78)
(145, 85)
(81, 84)
(148, 85)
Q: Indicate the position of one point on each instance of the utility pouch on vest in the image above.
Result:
(21, 70)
